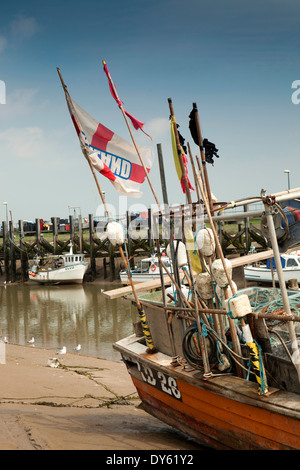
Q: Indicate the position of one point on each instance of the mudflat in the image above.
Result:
(85, 403)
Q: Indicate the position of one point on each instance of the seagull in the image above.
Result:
(5, 340)
(77, 348)
(31, 341)
(62, 350)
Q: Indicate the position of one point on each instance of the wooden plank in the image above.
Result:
(139, 287)
(254, 258)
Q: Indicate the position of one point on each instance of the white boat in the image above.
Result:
(263, 272)
(59, 269)
(147, 270)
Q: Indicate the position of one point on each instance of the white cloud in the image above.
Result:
(20, 103)
(22, 143)
(24, 27)
(158, 128)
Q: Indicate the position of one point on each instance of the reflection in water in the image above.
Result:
(59, 316)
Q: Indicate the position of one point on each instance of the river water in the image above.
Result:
(58, 316)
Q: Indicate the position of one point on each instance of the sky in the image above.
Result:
(237, 60)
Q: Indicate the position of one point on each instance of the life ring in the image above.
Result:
(153, 267)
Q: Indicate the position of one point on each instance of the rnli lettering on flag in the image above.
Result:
(110, 154)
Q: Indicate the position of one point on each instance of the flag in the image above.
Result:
(111, 155)
(137, 124)
(176, 158)
(209, 147)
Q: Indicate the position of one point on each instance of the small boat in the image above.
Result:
(146, 270)
(266, 272)
(67, 268)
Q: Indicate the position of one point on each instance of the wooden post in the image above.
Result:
(12, 251)
(23, 255)
(6, 252)
(37, 233)
(194, 172)
(207, 186)
(55, 233)
(72, 228)
(150, 229)
(92, 251)
(80, 233)
(185, 180)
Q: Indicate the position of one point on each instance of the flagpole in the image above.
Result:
(131, 135)
(149, 341)
(194, 172)
(203, 159)
(185, 181)
(84, 149)
(147, 176)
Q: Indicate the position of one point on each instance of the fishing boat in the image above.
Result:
(210, 366)
(266, 272)
(67, 268)
(146, 270)
(223, 369)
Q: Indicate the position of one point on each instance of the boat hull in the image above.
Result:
(265, 275)
(222, 412)
(73, 274)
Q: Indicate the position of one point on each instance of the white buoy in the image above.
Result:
(181, 253)
(205, 241)
(115, 233)
(239, 306)
(204, 286)
(219, 273)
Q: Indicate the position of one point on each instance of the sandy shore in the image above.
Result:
(85, 404)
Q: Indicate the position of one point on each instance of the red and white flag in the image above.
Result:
(110, 154)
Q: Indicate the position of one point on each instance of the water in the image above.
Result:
(59, 316)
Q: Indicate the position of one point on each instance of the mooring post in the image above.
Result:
(6, 252)
(55, 232)
(37, 233)
(80, 233)
(12, 252)
(92, 251)
(23, 255)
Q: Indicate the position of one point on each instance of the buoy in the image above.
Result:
(219, 273)
(205, 241)
(204, 286)
(115, 233)
(238, 306)
(181, 253)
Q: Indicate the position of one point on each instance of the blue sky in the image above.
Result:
(237, 60)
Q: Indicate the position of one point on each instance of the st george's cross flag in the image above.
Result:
(110, 154)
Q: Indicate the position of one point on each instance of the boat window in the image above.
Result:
(291, 262)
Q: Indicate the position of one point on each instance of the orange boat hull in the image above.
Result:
(242, 420)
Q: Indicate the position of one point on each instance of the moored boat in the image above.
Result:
(146, 270)
(224, 368)
(220, 409)
(266, 272)
(67, 268)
